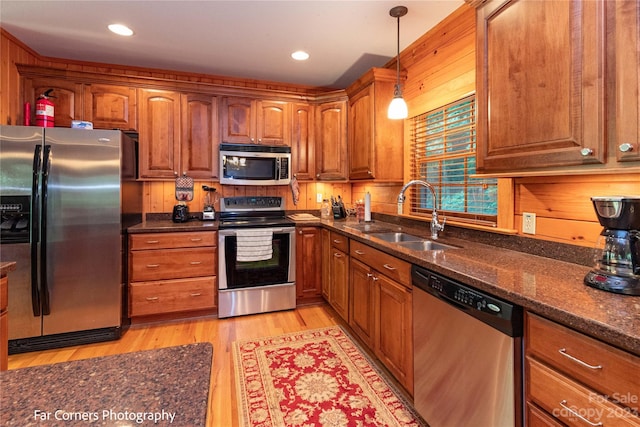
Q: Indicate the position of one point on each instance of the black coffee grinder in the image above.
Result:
(617, 256)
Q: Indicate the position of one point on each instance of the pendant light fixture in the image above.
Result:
(398, 108)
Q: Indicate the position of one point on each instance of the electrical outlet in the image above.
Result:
(528, 223)
(319, 197)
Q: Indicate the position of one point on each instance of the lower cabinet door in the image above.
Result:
(394, 322)
(169, 296)
(361, 315)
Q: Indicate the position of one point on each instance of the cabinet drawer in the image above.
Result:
(172, 240)
(563, 399)
(340, 242)
(169, 296)
(172, 264)
(601, 366)
(535, 417)
(386, 264)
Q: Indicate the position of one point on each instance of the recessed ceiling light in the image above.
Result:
(120, 29)
(300, 55)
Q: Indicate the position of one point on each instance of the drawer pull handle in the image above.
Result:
(153, 265)
(338, 255)
(152, 298)
(196, 239)
(563, 351)
(359, 252)
(195, 262)
(151, 242)
(337, 242)
(196, 294)
(576, 414)
(389, 267)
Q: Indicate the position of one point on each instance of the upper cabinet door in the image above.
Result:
(302, 148)
(199, 146)
(110, 107)
(159, 133)
(273, 123)
(66, 98)
(627, 48)
(540, 84)
(238, 120)
(331, 140)
(375, 141)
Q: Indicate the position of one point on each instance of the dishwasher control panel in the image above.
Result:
(502, 315)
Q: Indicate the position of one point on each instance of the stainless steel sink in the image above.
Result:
(397, 237)
(425, 245)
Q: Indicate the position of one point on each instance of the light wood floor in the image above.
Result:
(221, 333)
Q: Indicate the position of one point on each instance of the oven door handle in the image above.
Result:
(232, 232)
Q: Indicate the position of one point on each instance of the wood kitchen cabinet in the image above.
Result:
(106, 106)
(627, 65)
(178, 134)
(199, 153)
(110, 106)
(361, 311)
(375, 141)
(159, 138)
(331, 141)
(567, 372)
(68, 98)
(541, 69)
(381, 310)
(302, 142)
(255, 121)
(308, 265)
(172, 273)
(335, 271)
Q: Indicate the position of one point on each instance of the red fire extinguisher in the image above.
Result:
(45, 116)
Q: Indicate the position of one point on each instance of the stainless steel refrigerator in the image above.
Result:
(66, 197)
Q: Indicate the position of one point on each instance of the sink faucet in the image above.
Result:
(436, 225)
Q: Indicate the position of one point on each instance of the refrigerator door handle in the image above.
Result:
(35, 293)
(46, 165)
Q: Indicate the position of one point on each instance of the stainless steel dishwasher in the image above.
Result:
(467, 355)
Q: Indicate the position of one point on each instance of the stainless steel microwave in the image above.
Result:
(252, 164)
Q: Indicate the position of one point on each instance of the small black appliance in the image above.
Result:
(184, 194)
(617, 256)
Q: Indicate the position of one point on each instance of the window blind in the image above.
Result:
(443, 153)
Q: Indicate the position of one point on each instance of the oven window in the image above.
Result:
(258, 273)
(249, 167)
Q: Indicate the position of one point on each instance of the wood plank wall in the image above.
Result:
(440, 68)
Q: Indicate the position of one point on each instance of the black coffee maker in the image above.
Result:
(617, 257)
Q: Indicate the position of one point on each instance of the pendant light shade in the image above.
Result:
(398, 108)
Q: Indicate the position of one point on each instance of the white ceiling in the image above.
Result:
(242, 38)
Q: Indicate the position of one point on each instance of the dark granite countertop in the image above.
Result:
(6, 267)
(543, 285)
(167, 385)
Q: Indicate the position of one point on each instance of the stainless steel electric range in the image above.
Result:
(257, 262)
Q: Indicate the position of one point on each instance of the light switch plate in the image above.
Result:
(528, 223)
(319, 197)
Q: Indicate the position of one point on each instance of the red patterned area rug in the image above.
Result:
(314, 378)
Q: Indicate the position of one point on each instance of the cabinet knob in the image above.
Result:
(318, 175)
(586, 152)
(626, 147)
(300, 232)
(369, 173)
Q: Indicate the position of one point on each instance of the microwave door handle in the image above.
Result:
(277, 174)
